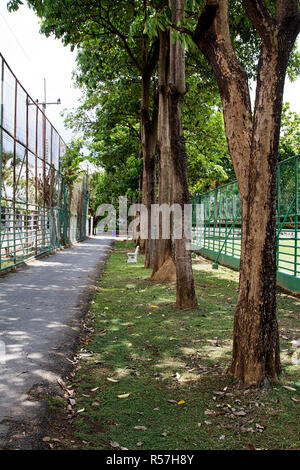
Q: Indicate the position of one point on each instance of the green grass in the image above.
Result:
(164, 353)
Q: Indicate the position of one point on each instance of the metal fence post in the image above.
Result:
(1, 155)
(296, 217)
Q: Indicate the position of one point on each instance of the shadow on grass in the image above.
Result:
(144, 362)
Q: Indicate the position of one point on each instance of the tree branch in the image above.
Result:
(182, 30)
(113, 29)
(261, 19)
(132, 128)
(152, 57)
(212, 36)
(288, 16)
(285, 9)
(205, 21)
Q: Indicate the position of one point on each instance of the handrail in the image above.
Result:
(215, 264)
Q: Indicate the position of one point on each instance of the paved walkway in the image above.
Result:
(40, 310)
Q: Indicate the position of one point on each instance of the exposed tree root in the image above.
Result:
(167, 272)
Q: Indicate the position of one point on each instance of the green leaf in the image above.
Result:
(168, 13)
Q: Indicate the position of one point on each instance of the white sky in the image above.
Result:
(32, 57)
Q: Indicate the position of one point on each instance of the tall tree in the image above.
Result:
(172, 258)
(185, 291)
(164, 267)
(253, 144)
(123, 22)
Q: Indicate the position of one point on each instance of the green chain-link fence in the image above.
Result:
(219, 236)
(39, 212)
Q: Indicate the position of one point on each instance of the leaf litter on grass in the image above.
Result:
(192, 348)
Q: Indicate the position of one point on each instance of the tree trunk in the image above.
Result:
(257, 355)
(163, 247)
(149, 142)
(185, 290)
(253, 147)
(148, 127)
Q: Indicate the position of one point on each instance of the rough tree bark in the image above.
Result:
(253, 144)
(148, 142)
(164, 268)
(148, 146)
(185, 290)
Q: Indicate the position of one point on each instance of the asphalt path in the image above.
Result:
(41, 308)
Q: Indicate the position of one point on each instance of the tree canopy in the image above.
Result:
(156, 75)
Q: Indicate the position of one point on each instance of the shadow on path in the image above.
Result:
(40, 311)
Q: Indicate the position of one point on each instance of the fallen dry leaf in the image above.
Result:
(247, 429)
(239, 413)
(228, 426)
(209, 412)
(114, 444)
(62, 384)
(259, 427)
(125, 395)
(292, 389)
